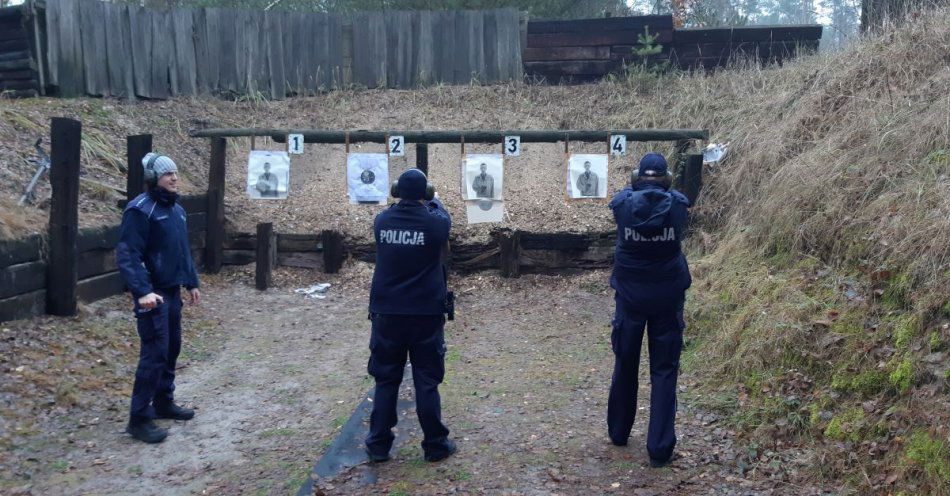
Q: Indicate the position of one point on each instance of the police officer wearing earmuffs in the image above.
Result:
(406, 304)
(650, 277)
(154, 258)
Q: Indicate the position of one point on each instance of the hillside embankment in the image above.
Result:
(820, 312)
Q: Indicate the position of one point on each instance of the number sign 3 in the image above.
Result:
(513, 145)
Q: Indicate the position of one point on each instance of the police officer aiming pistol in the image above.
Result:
(406, 304)
(650, 276)
(154, 258)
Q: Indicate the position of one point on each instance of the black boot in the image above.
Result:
(174, 412)
(442, 454)
(146, 431)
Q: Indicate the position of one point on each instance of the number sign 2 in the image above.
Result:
(618, 144)
(397, 146)
(513, 145)
(295, 144)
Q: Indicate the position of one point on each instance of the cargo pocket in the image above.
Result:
(617, 326)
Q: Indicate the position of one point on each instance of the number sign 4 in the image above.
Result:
(618, 144)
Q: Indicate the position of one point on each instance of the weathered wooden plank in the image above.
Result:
(96, 262)
(445, 46)
(298, 243)
(509, 45)
(14, 45)
(224, 48)
(490, 40)
(196, 241)
(17, 75)
(317, 53)
(98, 287)
(95, 238)
(595, 38)
(21, 84)
(23, 306)
(398, 25)
(17, 65)
(273, 25)
(333, 251)
(197, 222)
(259, 70)
(304, 260)
(566, 53)
(20, 250)
(65, 140)
(68, 61)
(22, 278)
(294, 25)
(185, 63)
(119, 50)
(240, 241)
(694, 50)
(370, 51)
(335, 76)
(194, 204)
(237, 257)
(140, 32)
(215, 234)
(423, 51)
(510, 244)
(53, 41)
(702, 35)
(93, 36)
(163, 79)
(571, 67)
(12, 32)
(16, 55)
(637, 23)
(205, 72)
(790, 33)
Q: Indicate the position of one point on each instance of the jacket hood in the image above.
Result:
(648, 207)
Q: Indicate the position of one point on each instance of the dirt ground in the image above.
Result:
(274, 376)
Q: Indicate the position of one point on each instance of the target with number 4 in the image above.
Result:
(513, 145)
(295, 144)
(397, 146)
(618, 144)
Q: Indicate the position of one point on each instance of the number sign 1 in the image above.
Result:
(618, 144)
(295, 144)
(397, 146)
(513, 145)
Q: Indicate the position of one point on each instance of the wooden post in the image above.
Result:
(422, 157)
(510, 244)
(266, 255)
(693, 177)
(62, 272)
(214, 241)
(332, 251)
(136, 147)
(678, 163)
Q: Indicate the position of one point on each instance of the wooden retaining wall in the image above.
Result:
(20, 71)
(23, 264)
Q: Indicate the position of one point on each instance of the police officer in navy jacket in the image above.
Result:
(406, 305)
(154, 258)
(650, 277)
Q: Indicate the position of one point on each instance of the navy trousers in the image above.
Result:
(665, 342)
(160, 335)
(421, 337)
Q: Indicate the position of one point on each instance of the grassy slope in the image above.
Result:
(822, 275)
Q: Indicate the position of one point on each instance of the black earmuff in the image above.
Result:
(429, 194)
(150, 175)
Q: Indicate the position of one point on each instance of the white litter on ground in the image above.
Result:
(317, 291)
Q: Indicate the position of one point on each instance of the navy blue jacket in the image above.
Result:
(153, 250)
(650, 271)
(409, 278)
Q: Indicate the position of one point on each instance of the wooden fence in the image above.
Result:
(589, 49)
(108, 49)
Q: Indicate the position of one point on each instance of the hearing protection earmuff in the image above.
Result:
(666, 180)
(429, 194)
(150, 176)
